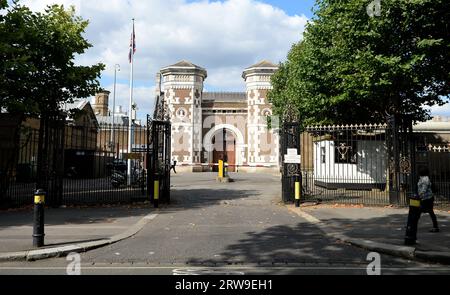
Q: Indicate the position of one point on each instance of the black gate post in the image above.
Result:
(58, 142)
(149, 157)
(154, 159)
(393, 159)
(401, 159)
(167, 156)
(159, 161)
(290, 139)
(409, 161)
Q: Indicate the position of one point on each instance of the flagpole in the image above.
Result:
(130, 116)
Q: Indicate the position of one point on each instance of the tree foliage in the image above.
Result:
(353, 68)
(37, 53)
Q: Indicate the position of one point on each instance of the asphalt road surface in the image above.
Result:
(237, 228)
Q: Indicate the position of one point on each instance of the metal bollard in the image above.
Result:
(297, 193)
(221, 169)
(156, 194)
(413, 220)
(38, 224)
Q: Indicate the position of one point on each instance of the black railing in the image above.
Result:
(365, 164)
(92, 165)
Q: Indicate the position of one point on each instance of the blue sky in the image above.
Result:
(293, 7)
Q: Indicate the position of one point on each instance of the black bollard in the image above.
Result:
(38, 224)
(413, 221)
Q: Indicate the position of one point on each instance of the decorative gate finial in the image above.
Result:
(290, 114)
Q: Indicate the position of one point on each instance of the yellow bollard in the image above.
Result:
(39, 198)
(221, 169)
(156, 190)
(156, 194)
(297, 194)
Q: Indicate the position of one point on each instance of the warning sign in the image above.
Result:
(292, 157)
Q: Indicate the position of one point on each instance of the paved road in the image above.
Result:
(236, 228)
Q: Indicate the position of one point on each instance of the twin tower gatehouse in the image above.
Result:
(212, 126)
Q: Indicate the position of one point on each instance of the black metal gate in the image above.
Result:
(50, 156)
(290, 139)
(158, 161)
(434, 155)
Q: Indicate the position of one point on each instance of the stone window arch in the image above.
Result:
(181, 113)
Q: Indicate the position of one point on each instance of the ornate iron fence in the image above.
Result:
(345, 164)
(371, 164)
(90, 162)
(436, 157)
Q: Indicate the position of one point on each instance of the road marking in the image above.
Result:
(205, 271)
(50, 227)
(308, 217)
(150, 216)
(235, 268)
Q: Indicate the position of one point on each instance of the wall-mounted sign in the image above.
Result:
(292, 157)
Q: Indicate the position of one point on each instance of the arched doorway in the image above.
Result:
(224, 144)
(234, 143)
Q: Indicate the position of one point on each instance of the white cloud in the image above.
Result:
(224, 37)
(440, 110)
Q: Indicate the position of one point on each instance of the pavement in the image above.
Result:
(75, 229)
(381, 229)
(210, 227)
(232, 228)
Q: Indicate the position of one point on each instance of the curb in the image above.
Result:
(395, 250)
(39, 254)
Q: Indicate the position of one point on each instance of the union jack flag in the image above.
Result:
(132, 45)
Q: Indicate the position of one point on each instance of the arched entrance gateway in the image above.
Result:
(208, 126)
(224, 142)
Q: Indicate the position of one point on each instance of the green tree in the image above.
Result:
(38, 52)
(353, 68)
(38, 74)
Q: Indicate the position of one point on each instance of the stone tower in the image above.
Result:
(101, 103)
(182, 84)
(263, 143)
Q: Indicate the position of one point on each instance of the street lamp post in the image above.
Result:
(116, 69)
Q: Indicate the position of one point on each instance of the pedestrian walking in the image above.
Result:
(173, 166)
(427, 198)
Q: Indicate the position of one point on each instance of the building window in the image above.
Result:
(267, 112)
(181, 113)
(345, 152)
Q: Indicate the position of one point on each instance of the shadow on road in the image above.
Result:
(75, 215)
(391, 229)
(198, 198)
(300, 244)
